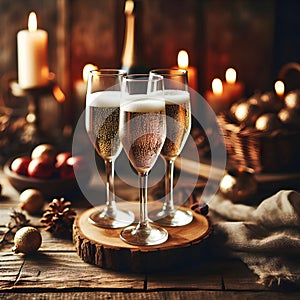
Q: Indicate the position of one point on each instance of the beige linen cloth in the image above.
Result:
(266, 237)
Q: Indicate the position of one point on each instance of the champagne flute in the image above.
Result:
(142, 134)
(178, 113)
(102, 124)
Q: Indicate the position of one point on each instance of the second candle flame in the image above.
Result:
(32, 22)
(230, 76)
(279, 88)
(183, 59)
(86, 70)
(217, 86)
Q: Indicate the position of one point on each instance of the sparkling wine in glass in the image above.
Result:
(178, 117)
(142, 134)
(102, 124)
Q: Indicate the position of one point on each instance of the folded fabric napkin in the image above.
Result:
(266, 237)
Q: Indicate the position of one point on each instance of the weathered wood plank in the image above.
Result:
(7, 189)
(10, 266)
(70, 272)
(67, 270)
(157, 295)
(206, 276)
(51, 243)
(236, 276)
(210, 274)
(4, 215)
(7, 203)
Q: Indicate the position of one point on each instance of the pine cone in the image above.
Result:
(59, 217)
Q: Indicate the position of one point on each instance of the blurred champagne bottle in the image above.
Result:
(133, 58)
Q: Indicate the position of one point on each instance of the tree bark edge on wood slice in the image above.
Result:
(104, 248)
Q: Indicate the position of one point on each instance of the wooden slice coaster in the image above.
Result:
(104, 248)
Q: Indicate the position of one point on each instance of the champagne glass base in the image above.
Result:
(174, 219)
(141, 236)
(120, 219)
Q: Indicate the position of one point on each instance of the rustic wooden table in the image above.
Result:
(57, 272)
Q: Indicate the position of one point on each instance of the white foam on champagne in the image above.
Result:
(104, 99)
(144, 104)
(176, 96)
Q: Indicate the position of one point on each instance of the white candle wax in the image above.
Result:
(33, 69)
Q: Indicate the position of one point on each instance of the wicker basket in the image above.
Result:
(278, 151)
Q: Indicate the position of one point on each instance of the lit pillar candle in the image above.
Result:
(32, 44)
(221, 99)
(279, 88)
(233, 90)
(215, 96)
(183, 63)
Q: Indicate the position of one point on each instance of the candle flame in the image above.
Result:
(230, 76)
(217, 86)
(183, 59)
(279, 88)
(32, 22)
(86, 70)
(129, 6)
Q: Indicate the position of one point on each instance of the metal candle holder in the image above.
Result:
(34, 96)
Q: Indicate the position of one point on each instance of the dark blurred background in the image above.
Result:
(255, 37)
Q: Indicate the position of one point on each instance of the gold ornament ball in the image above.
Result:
(292, 100)
(27, 240)
(238, 185)
(268, 122)
(247, 113)
(32, 201)
(290, 117)
(270, 102)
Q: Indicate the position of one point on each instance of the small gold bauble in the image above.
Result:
(238, 185)
(268, 122)
(292, 100)
(27, 240)
(32, 201)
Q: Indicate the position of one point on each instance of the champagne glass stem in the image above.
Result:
(144, 234)
(169, 215)
(143, 182)
(110, 193)
(169, 178)
(111, 216)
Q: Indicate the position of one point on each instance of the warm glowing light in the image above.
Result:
(230, 76)
(183, 59)
(279, 88)
(129, 6)
(31, 118)
(86, 70)
(217, 86)
(58, 94)
(32, 22)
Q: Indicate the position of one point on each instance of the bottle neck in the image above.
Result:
(133, 52)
